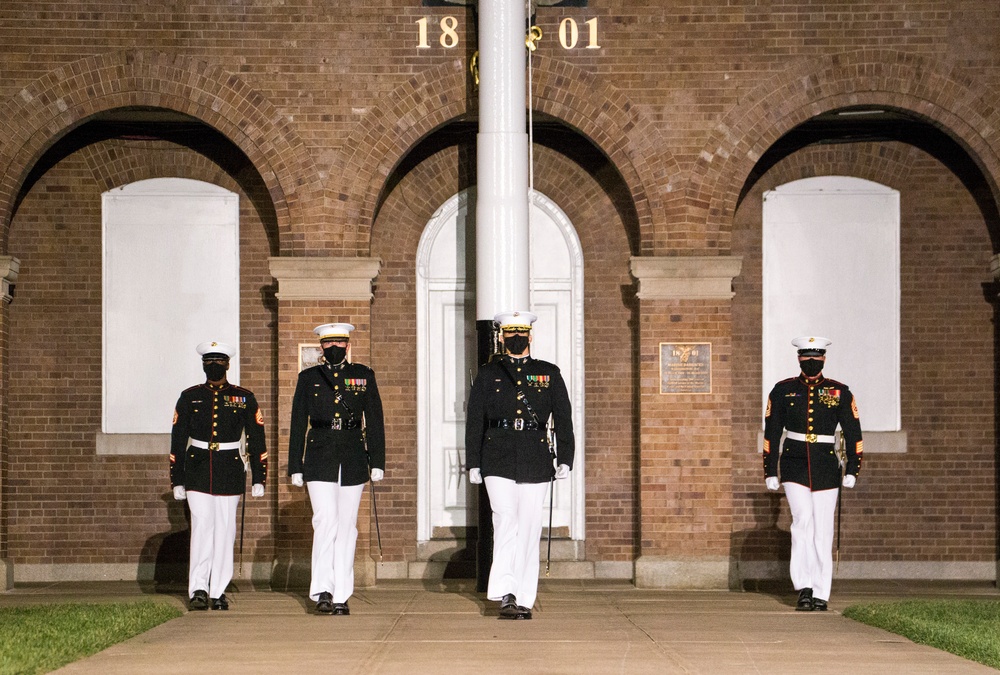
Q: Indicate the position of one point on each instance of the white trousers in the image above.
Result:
(335, 535)
(213, 533)
(517, 529)
(811, 565)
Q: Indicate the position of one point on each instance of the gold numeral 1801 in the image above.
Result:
(448, 38)
(569, 33)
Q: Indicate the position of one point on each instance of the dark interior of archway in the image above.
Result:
(870, 125)
(549, 132)
(156, 124)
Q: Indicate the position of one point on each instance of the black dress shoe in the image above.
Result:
(325, 604)
(819, 605)
(220, 602)
(508, 607)
(805, 603)
(523, 612)
(198, 601)
(341, 609)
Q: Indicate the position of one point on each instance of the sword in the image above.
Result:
(548, 553)
(378, 532)
(243, 515)
(550, 436)
(243, 522)
(842, 458)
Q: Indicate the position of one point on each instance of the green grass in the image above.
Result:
(41, 638)
(968, 628)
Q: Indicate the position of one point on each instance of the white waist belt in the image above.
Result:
(810, 438)
(235, 445)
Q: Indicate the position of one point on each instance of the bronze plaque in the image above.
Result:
(685, 367)
(310, 354)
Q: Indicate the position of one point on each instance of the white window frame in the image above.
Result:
(830, 267)
(170, 260)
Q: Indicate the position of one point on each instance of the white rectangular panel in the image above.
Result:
(831, 268)
(171, 280)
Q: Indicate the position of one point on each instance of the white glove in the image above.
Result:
(562, 471)
(849, 480)
(475, 476)
(180, 494)
(297, 479)
(377, 475)
(257, 490)
(772, 483)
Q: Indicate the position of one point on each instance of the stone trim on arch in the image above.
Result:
(54, 104)
(943, 95)
(430, 99)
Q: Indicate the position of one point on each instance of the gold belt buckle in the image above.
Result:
(810, 438)
(519, 424)
(336, 424)
(213, 446)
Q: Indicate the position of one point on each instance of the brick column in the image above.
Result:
(314, 291)
(685, 464)
(992, 293)
(8, 276)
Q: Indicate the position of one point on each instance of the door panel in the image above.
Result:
(553, 309)
(446, 320)
(449, 387)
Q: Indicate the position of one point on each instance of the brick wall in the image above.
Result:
(683, 98)
(4, 425)
(327, 100)
(686, 452)
(110, 509)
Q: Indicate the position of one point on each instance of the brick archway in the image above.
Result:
(941, 95)
(582, 100)
(55, 104)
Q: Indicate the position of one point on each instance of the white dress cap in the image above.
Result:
(331, 331)
(206, 348)
(809, 345)
(515, 320)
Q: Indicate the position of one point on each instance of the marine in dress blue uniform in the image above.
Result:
(337, 444)
(808, 409)
(513, 401)
(208, 469)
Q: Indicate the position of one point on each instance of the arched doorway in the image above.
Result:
(445, 310)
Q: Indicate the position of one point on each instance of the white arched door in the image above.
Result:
(446, 358)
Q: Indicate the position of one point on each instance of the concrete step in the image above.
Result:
(453, 550)
(466, 569)
(455, 558)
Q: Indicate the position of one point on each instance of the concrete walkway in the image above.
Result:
(578, 627)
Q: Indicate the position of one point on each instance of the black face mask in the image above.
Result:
(811, 367)
(516, 344)
(334, 354)
(215, 372)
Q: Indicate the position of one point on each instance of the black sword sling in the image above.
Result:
(339, 399)
(550, 435)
